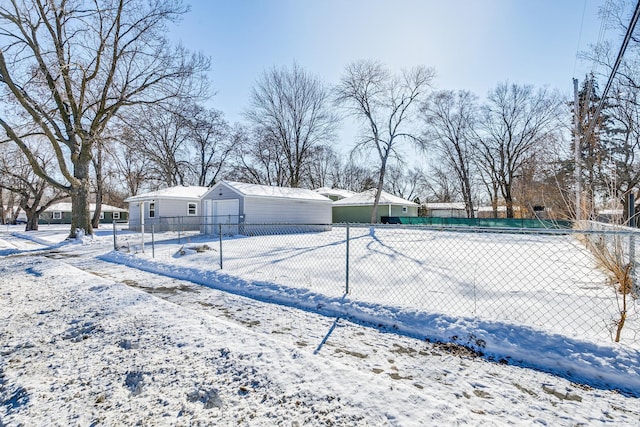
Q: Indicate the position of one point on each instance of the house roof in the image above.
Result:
(66, 207)
(610, 212)
(501, 208)
(367, 198)
(449, 206)
(177, 192)
(257, 190)
(338, 192)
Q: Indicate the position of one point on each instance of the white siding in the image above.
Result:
(168, 207)
(134, 214)
(286, 211)
(170, 214)
(267, 209)
(223, 192)
(220, 212)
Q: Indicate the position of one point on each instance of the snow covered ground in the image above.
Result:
(93, 337)
(546, 281)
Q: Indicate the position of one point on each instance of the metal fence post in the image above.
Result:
(153, 241)
(632, 262)
(347, 262)
(220, 237)
(115, 243)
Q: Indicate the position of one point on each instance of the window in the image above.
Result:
(101, 215)
(116, 215)
(57, 215)
(152, 210)
(192, 209)
(404, 209)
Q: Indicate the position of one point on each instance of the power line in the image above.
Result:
(575, 63)
(623, 48)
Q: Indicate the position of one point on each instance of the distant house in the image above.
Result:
(358, 208)
(230, 203)
(174, 208)
(610, 216)
(487, 212)
(445, 210)
(334, 193)
(60, 213)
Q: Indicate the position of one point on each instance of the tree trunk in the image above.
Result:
(468, 201)
(509, 204)
(493, 195)
(32, 220)
(376, 202)
(80, 194)
(2, 214)
(80, 215)
(508, 198)
(10, 207)
(97, 165)
(14, 216)
(33, 211)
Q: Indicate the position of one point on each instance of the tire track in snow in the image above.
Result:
(361, 348)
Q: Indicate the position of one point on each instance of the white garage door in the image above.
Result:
(222, 212)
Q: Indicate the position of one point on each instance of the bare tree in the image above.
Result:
(515, 123)
(408, 183)
(103, 165)
(610, 151)
(385, 106)
(290, 108)
(320, 168)
(440, 186)
(129, 164)
(97, 160)
(619, 170)
(450, 119)
(354, 177)
(161, 134)
(210, 137)
(69, 67)
(34, 193)
(258, 158)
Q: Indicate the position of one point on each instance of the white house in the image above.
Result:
(235, 203)
(173, 208)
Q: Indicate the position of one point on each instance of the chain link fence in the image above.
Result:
(549, 279)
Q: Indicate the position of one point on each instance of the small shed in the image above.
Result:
(358, 208)
(243, 207)
(170, 209)
(445, 210)
(488, 212)
(60, 213)
(334, 193)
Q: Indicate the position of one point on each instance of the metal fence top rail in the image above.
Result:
(594, 227)
(623, 231)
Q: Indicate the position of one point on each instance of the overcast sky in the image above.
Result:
(472, 44)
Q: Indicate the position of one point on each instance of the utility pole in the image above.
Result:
(577, 156)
